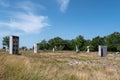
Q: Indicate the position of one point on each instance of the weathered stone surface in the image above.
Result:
(36, 48)
(14, 45)
(88, 49)
(102, 51)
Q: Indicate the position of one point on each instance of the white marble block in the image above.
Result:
(77, 50)
(88, 49)
(102, 51)
(36, 48)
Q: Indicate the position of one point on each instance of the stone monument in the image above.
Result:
(14, 45)
(77, 50)
(53, 50)
(88, 49)
(36, 48)
(102, 51)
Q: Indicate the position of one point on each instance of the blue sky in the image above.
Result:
(35, 20)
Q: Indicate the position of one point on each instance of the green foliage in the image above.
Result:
(61, 47)
(57, 41)
(43, 45)
(87, 43)
(68, 45)
(96, 42)
(79, 41)
(118, 48)
(112, 41)
(23, 48)
(5, 41)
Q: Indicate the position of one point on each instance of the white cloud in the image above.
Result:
(29, 23)
(63, 4)
(30, 6)
(26, 21)
(8, 33)
(3, 33)
(27, 6)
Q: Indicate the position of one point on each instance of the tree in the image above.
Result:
(73, 44)
(113, 41)
(79, 41)
(5, 41)
(87, 43)
(68, 45)
(23, 48)
(57, 41)
(96, 42)
(118, 48)
(43, 45)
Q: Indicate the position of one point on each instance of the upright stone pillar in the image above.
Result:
(77, 50)
(36, 48)
(88, 49)
(14, 45)
(53, 49)
(102, 51)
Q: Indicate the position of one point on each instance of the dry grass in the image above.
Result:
(64, 65)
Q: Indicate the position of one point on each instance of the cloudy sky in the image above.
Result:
(35, 20)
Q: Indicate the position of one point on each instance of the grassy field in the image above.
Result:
(64, 65)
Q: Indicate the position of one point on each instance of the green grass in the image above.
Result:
(55, 66)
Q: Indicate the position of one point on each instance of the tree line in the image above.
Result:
(112, 41)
